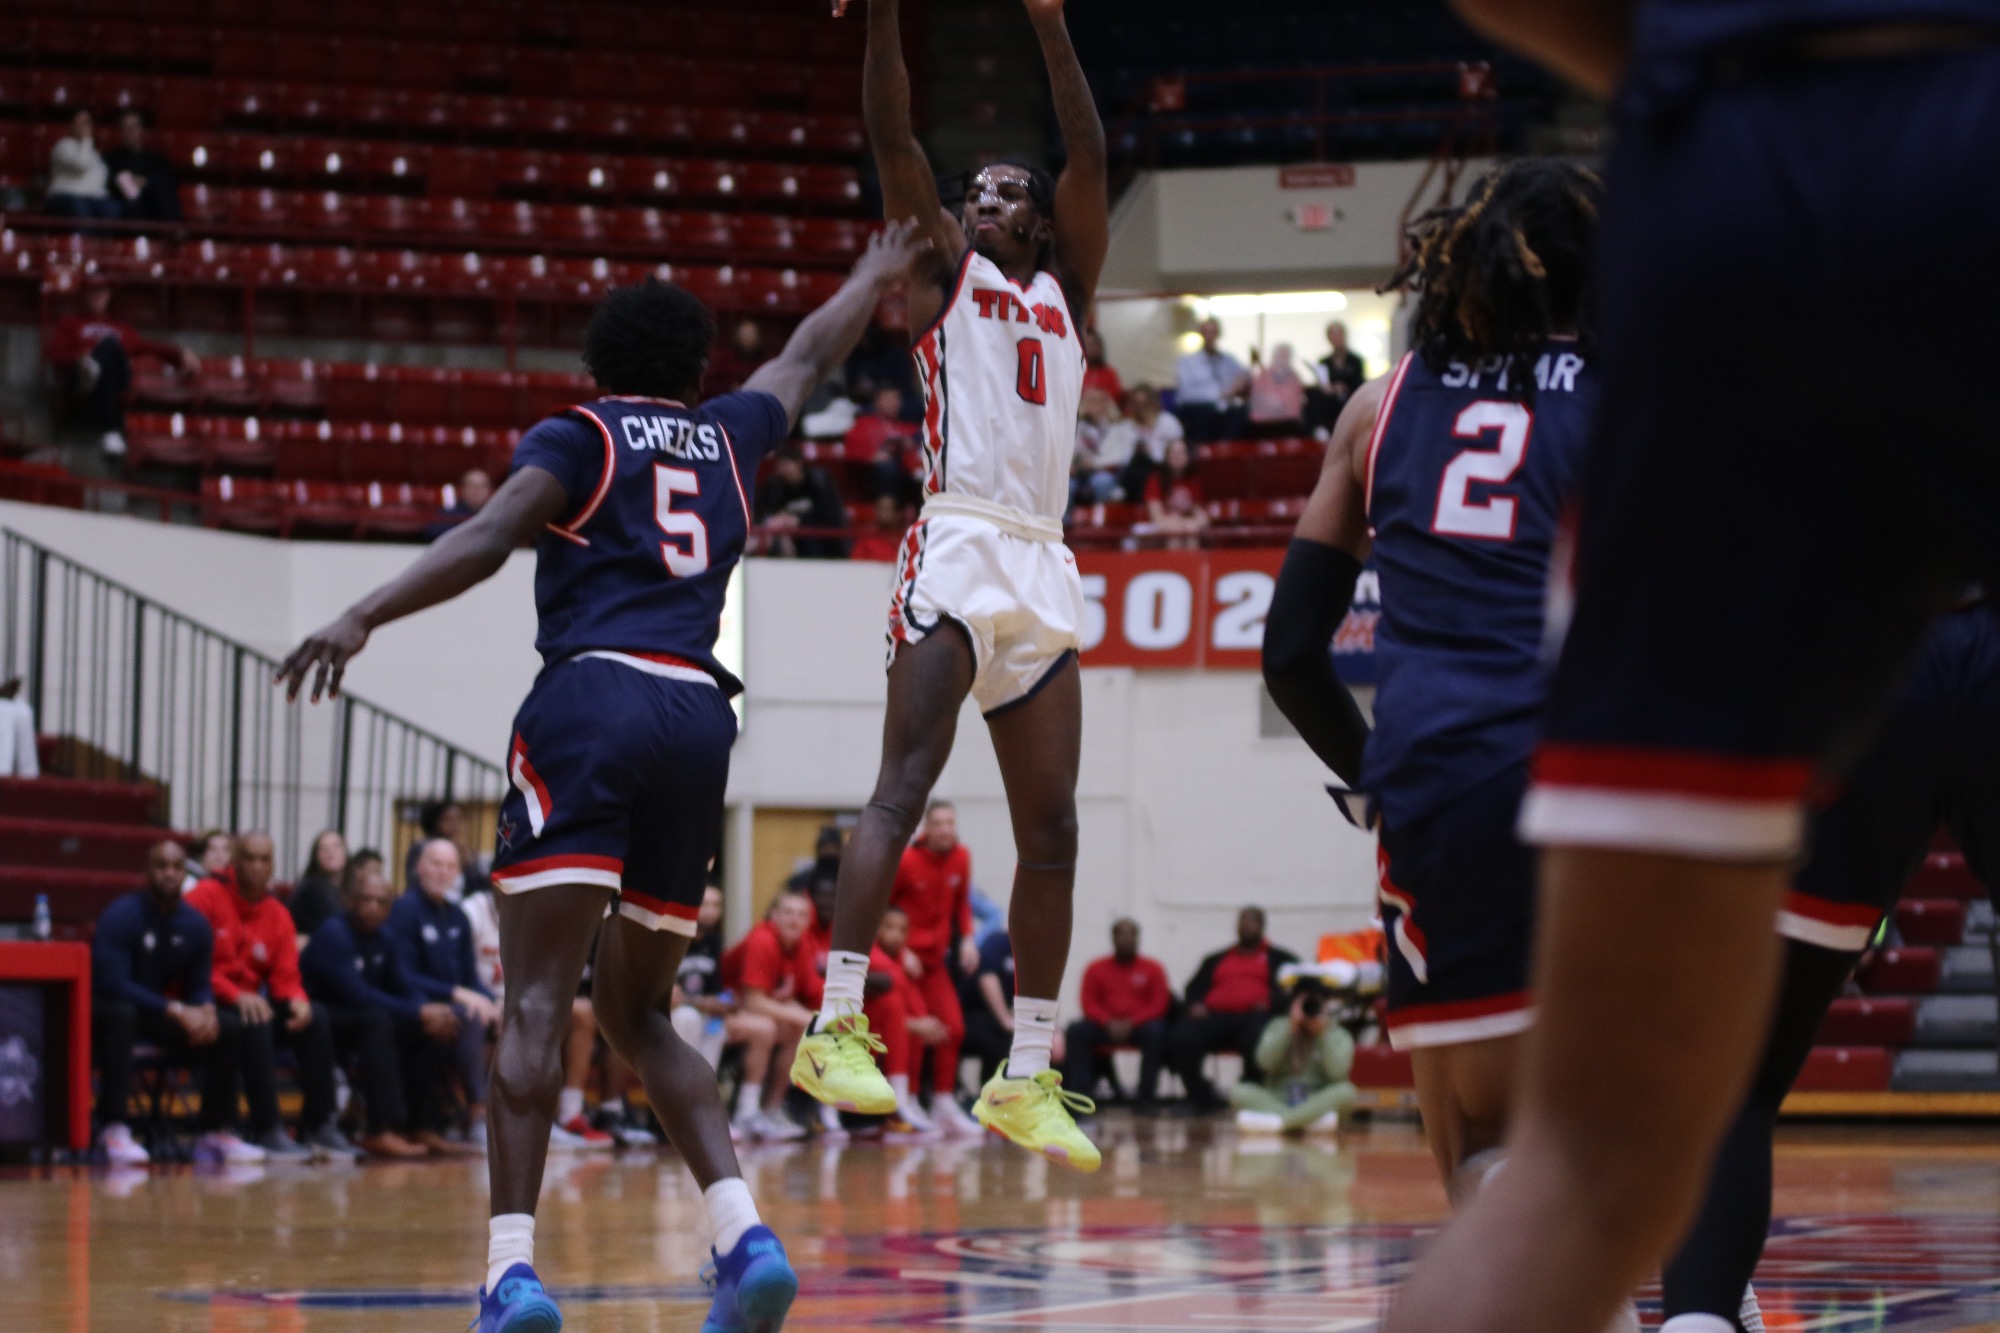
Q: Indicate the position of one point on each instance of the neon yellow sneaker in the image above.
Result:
(1037, 1114)
(837, 1067)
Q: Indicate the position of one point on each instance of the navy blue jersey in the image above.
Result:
(659, 512)
(1699, 27)
(1466, 484)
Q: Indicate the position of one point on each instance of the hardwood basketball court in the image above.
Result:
(1188, 1226)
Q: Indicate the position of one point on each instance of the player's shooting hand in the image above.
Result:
(330, 650)
(892, 252)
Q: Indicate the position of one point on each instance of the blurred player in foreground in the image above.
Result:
(1762, 545)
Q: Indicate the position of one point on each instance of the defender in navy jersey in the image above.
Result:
(1766, 534)
(620, 754)
(1454, 471)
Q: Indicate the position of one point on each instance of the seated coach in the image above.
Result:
(149, 968)
(433, 941)
(1125, 1001)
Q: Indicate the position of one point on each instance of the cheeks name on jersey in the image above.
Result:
(1008, 308)
(1555, 372)
(679, 437)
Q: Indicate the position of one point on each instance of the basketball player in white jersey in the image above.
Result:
(987, 599)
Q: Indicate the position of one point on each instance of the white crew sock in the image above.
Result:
(569, 1106)
(846, 986)
(748, 1098)
(510, 1240)
(731, 1212)
(1034, 1037)
(1751, 1315)
(900, 1085)
(1697, 1323)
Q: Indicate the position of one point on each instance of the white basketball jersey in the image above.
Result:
(1002, 369)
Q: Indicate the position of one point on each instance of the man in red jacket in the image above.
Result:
(900, 1017)
(934, 888)
(1125, 1002)
(774, 971)
(256, 973)
(94, 352)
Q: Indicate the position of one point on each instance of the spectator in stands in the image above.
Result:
(446, 819)
(934, 885)
(1228, 1003)
(256, 970)
(824, 869)
(316, 896)
(882, 358)
(1277, 397)
(395, 1038)
(213, 852)
(1092, 478)
(78, 183)
(19, 756)
(1341, 372)
(888, 444)
(1125, 1002)
(989, 1024)
(1174, 500)
(701, 1010)
(1304, 1058)
(142, 179)
(884, 541)
(1209, 388)
(468, 497)
(798, 495)
(772, 972)
(433, 942)
(92, 354)
(1136, 445)
(150, 960)
(1097, 372)
(898, 1015)
(734, 360)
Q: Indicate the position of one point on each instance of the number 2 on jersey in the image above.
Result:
(1458, 514)
(667, 483)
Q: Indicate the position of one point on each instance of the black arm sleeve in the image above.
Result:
(1314, 589)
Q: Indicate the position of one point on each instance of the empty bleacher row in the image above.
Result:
(654, 53)
(1926, 1018)
(286, 164)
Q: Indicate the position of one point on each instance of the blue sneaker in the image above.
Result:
(518, 1305)
(754, 1285)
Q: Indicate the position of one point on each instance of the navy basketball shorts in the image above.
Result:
(1457, 894)
(617, 771)
(1936, 760)
(1775, 506)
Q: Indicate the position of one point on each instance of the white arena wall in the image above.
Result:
(1187, 812)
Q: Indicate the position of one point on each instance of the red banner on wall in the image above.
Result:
(1176, 609)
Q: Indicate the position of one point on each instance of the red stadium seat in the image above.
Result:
(400, 509)
(468, 172)
(457, 217)
(524, 171)
(389, 165)
(371, 110)
(548, 117)
(310, 106)
(1846, 1069)
(703, 233)
(356, 392)
(489, 398)
(639, 227)
(574, 223)
(711, 178)
(431, 114)
(828, 187)
(1933, 921)
(294, 385)
(1869, 1021)
(392, 213)
(834, 239)
(421, 394)
(154, 440)
(322, 508)
(1912, 971)
(243, 504)
(766, 237)
(489, 117)
(231, 382)
(265, 208)
(184, 103)
(324, 210)
(516, 220)
(238, 443)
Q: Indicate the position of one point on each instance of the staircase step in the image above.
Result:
(76, 897)
(64, 844)
(1846, 1069)
(1912, 971)
(1956, 1020)
(1947, 1071)
(1869, 1021)
(1933, 921)
(1967, 968)
(1944, 875)
(78, 800)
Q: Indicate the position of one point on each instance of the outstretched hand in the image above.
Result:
(329, 651)
(892, 252)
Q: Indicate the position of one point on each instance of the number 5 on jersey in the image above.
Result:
(667, 483)
(1458, 514)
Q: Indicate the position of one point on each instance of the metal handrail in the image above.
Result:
(137, 692)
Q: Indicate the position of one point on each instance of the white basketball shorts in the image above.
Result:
(1019, 599)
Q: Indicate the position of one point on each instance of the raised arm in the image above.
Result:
(1585, 41)
(909, 188)
(1083, 192)
(1315, 585)
(824, 338)
(469, 554)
